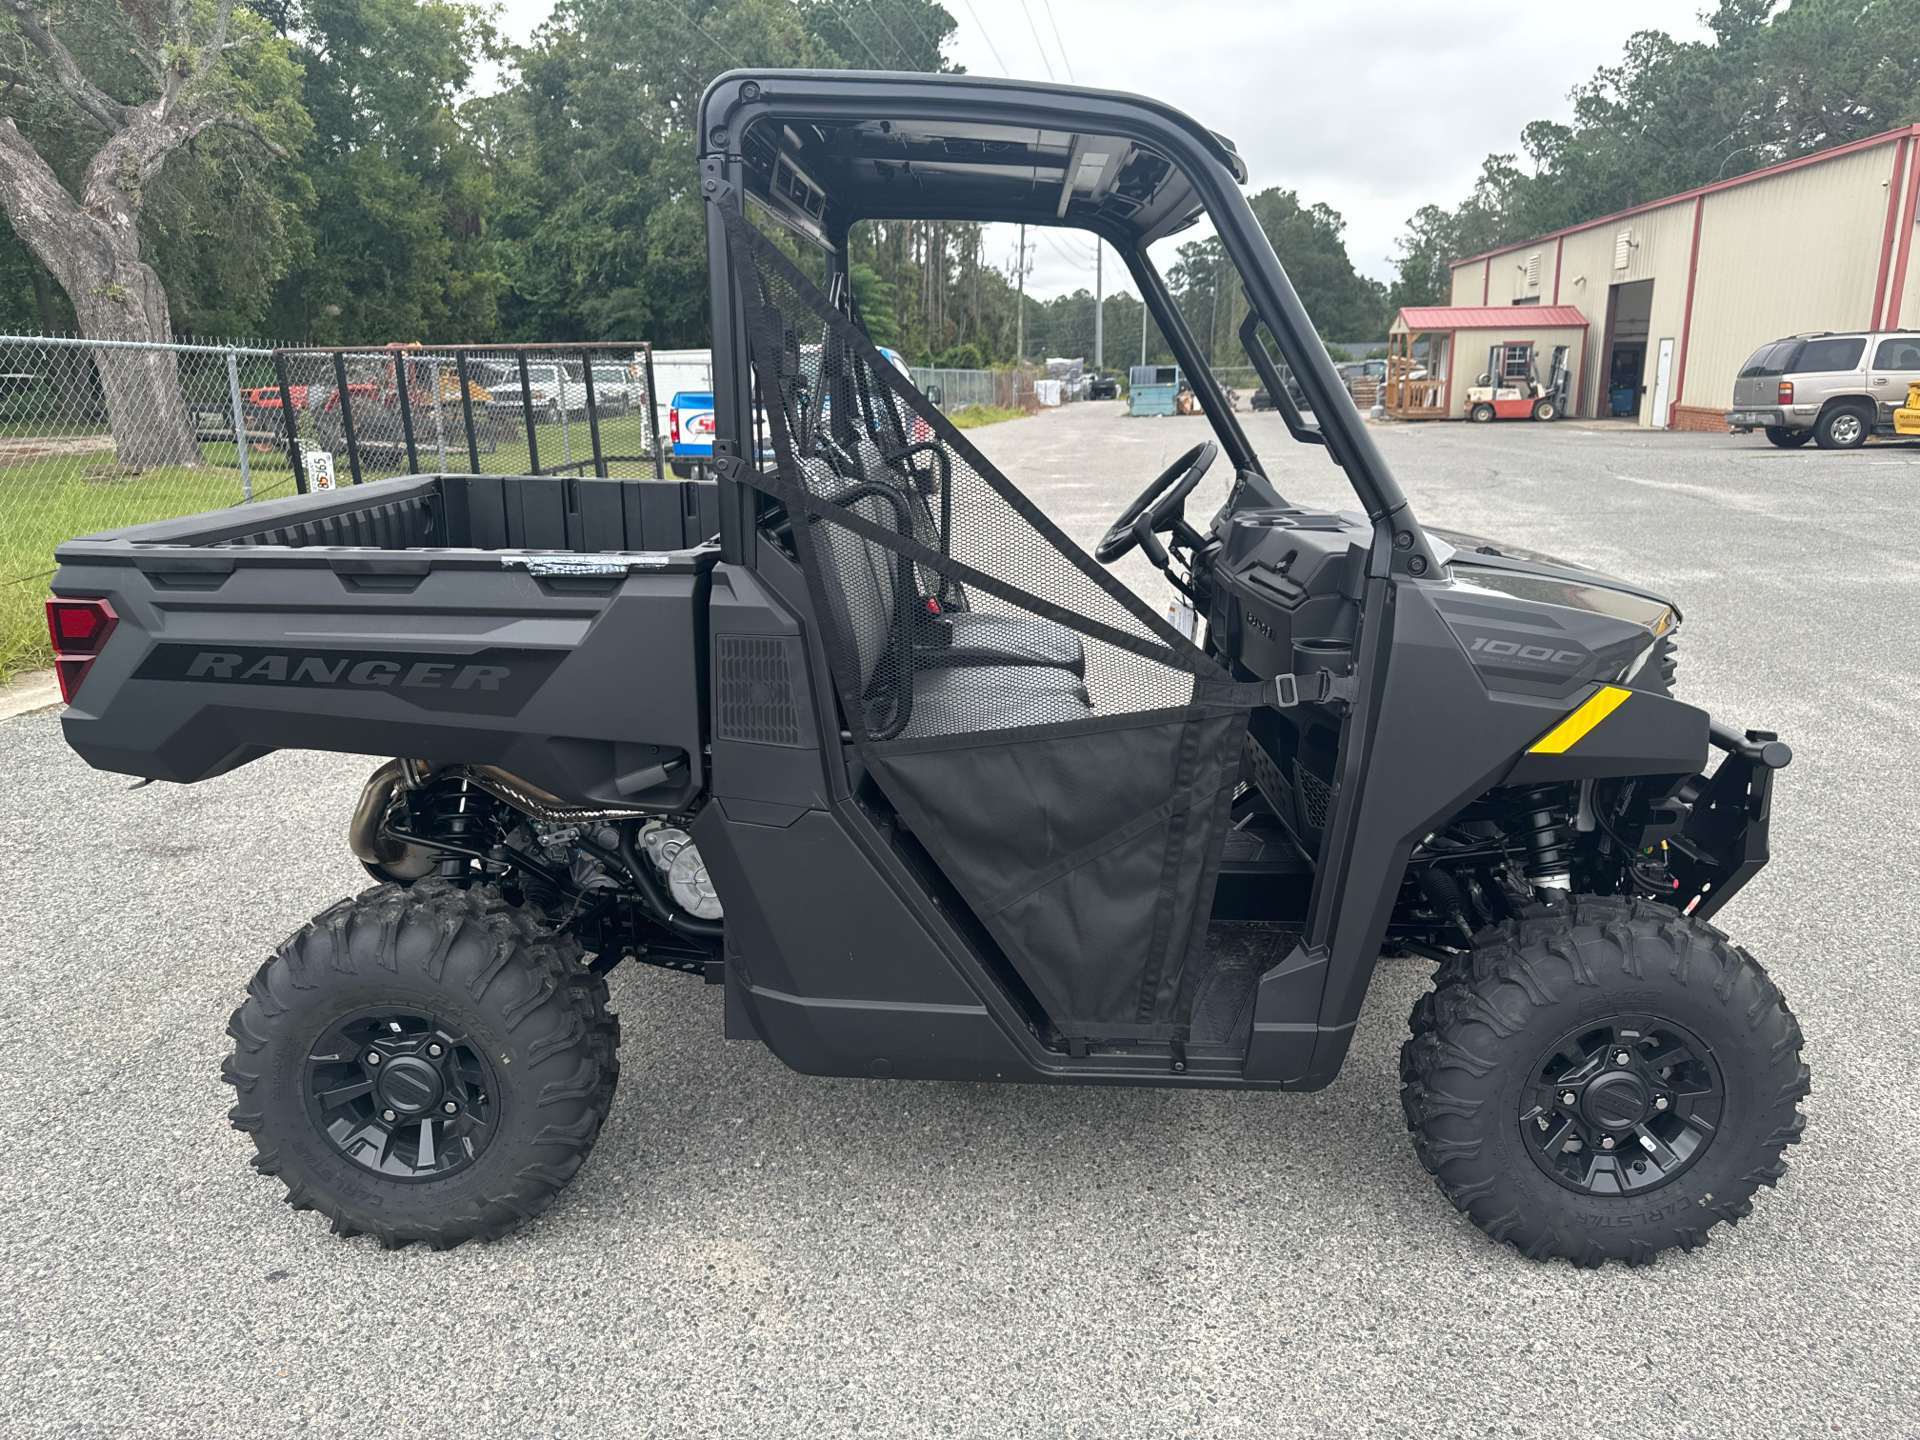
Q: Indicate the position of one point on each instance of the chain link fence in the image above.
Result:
(954, 389)
(95, 435)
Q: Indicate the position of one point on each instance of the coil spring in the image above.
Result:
(1547, 832)
(454, 811)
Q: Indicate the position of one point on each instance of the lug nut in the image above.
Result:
(1606, 1142)
(1621, 1057)
(1567, 1097)
(386, 1115)
(450, 1107)
(1660, 1103)
(435, 1051)
(373, 1057)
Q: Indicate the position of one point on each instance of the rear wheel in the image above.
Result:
(1480, 414)
(423, 1064)
(1603, 1083)
(1787, 439)
(1844, 427)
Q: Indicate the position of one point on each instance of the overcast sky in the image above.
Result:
(1375, 108)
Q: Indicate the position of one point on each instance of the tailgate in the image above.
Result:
(571, 681)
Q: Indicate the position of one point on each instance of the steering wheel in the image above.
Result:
(1159, 504)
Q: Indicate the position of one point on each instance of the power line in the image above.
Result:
(847, 25)
(738, 63)
(925, 39)
(1058, 41)
(986, 36)
(1072, 257)
(1028, 11)
(905, 59)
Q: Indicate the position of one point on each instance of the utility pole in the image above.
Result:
(1143, 327)
(1099, 318)
(1020, 338)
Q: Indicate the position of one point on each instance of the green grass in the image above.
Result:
(51, 501)
(970, 416)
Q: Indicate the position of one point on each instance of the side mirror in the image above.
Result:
(933, 395)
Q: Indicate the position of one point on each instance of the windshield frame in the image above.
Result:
(743, 114)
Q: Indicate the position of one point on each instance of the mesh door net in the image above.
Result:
(1065, 756)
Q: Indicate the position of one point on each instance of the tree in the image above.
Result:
(192, 72)
(601, 230)
(1342, 303)
(402, 198)
(1674, 115)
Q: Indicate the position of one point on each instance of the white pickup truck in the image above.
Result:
(558, 390)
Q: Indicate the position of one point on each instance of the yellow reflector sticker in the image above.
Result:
(1563, 736)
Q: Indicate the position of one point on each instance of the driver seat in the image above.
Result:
(946, 637)
(908, 690)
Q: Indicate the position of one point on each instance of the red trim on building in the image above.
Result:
(1489, 317)
(1558, 246)
(1911, 207)
(1486, 280)
(1894, 184)
(1686, 313)
(1885, 137)
(1580, 381)
(1453, 364)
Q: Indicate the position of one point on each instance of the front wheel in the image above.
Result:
(1545, 409)
(1481, 414)
(1603, 1082)
(423, 1064)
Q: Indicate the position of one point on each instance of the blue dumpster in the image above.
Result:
(1151, 389)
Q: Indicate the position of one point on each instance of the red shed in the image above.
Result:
(1435, 353)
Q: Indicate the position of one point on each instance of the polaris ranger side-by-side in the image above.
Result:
(926, 788)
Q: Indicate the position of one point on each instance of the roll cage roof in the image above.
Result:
(822, 149)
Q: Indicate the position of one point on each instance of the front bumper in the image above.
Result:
(1722, 842)
(1755, 419)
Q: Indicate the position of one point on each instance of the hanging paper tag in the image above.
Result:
(1181, 616)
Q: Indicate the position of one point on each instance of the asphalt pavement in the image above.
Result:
(751, 1252)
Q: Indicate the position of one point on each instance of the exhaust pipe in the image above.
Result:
(410, 862)
(370, 847)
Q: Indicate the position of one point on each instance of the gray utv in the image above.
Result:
(929, 791)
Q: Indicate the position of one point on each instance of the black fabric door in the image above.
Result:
(1066, 757)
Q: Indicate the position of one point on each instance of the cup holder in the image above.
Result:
(1310, 656)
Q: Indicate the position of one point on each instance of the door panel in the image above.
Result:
(1662, 381)
(1893, 365)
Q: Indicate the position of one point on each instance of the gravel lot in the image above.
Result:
(750, 1252)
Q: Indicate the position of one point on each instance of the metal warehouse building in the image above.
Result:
(1675, 294)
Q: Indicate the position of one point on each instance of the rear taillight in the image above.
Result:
(1786, 392)
(673, 424)
(79, 631)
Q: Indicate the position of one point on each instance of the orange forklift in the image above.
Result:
(1511, 388)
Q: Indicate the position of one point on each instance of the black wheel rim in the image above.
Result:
(402, 1094)
(1622, 1106)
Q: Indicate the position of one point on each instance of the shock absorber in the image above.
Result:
(1549, 837)
(453, 812)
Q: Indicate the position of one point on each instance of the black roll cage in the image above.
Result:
(1204, 161)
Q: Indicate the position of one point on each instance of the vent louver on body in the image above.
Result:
(753, 688)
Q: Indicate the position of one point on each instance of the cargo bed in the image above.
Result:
(502, 620)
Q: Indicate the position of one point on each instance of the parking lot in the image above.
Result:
(750, 1252)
